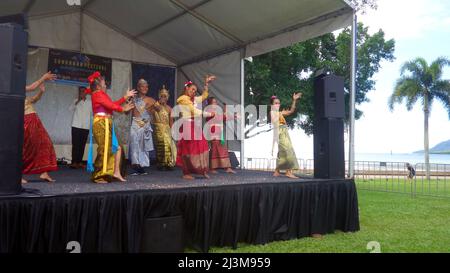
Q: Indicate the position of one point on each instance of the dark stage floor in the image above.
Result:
(69, 181)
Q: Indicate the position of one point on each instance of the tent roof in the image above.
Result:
(187, 31)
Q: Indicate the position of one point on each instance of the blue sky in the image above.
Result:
(420, 28)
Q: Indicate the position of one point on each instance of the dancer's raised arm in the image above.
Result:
(38, 96)
(205, 93)
(46, 77)
(290, 111)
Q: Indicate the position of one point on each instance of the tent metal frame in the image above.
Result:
(239, 45)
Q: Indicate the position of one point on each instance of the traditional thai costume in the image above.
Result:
(38, 152)
(219, 158)
(286, 158)
(192, 153)
(141, 140)
(102, 130)
(166, 150)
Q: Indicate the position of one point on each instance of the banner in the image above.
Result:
(74, 68)
(156, 76)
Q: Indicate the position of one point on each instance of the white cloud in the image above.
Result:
(407, 19)
(420, 28)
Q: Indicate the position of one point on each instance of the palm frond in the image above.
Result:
(437, 66)
(441, 86)
(406, 88)
(417, 67)
(444, 98)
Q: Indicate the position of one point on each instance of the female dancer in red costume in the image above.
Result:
(38, 154)
(109, 152)
(192, 153)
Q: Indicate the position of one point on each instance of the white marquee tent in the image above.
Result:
(194, 36)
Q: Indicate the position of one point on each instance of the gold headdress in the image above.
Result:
(164, 91)
(142, 82)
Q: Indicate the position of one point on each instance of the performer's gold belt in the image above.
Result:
(102, 115)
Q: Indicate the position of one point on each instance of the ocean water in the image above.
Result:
(260, 146)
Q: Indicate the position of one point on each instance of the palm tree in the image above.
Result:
(418, 81)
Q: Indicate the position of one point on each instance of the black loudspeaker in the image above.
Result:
(329, 156)
(329, 111)
(163, 235)
(11, 141)
(233, 160)
(13, 56)
(13, 67)
(329, 96)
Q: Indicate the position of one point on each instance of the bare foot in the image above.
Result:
(101, 182)
(188, 177)
(205, 175)
(24, 181)
(276, 173)
(120, 178)
(290, 174)
(213, 171)
(229, 170)
(47, 178)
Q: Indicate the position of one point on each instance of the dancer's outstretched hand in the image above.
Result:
(129, 106)
(49, 76)
(130, 93)
(209, 78)
(297, 96)
(157, 107)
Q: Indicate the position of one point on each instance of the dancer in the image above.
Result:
(166, 150)
(82, 108)
(109, 152)
(192, 154)
(38, 155)
(218, 155)
(141, 141)
(286, 159)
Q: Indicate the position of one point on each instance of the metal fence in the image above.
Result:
(380, 176)
(395, 177)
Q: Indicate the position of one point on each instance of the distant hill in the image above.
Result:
(441, 148)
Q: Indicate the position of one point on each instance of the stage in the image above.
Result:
(250, 207)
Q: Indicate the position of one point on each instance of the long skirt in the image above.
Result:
(219, 155)
(192, 154)
(166, 150)
(286, 159)
(38, 153)
(141, 143)
(104, 162)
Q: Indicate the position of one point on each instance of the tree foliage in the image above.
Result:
(363, 5)
(419, 80)
(422, 82)
(290, 69)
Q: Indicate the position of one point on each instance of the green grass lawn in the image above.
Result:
(398, 222)
(421, 186)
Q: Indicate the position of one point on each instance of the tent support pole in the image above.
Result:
(351, 154)
(242, 135)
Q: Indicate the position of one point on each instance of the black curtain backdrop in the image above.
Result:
(213, 216)
(156, 76)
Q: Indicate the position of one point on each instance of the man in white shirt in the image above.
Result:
(82, 108)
